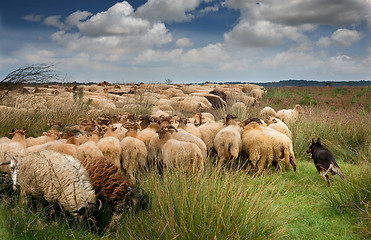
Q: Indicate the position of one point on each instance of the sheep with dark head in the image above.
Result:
(111, 185)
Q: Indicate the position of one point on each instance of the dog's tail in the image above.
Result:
(335, 169)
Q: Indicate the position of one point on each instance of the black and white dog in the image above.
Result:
(324, 161)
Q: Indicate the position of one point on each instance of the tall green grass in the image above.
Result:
(218, 204)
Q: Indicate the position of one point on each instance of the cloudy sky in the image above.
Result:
(189, 40)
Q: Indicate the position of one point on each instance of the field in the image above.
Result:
(223, 203)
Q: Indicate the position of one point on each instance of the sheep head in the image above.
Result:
(136, 199)
(299, 108)
(89, 210)
(19, 131)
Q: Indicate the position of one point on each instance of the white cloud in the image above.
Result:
(168, 10)
(345, 37)
(40, 56)
(298, 12)
(33, 17)
(344, 65)
(292, 59)
(211, 54)
(114, 32)
(324, 42)
(117, 20)
(208, 9)
(157, 35)
(75, 18)
(271, 23)
(261, 34)
(184, 42)
(156, 58)
(54, 21)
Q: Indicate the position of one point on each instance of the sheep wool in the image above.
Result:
(54, 177)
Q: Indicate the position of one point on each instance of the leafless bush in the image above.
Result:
(36, 73)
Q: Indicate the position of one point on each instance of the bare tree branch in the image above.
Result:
(36, 73)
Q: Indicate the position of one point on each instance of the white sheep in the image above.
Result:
(290, 115)
(185, 136)
(133, 153)
(88, 149)
(56, 178)
(51, 135)
(267, 112)
(256, 145)
(110, 147)
(178, 154)
(282, 148)
(280, 126)
(227, 141)
(208, 133)
(257, 93)
(15, 146)
(146, 134)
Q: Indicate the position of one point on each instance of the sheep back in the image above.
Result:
(57, 178)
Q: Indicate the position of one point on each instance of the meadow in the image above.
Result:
(223, 203)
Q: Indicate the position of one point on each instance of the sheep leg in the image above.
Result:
(286, 159)
(276, 164)
(24, 200)
(293, 163)
(261, 164)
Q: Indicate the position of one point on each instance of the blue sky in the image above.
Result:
(189, 41)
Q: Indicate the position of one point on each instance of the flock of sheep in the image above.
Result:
(99, 159)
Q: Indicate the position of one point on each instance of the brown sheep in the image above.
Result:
(110, 184)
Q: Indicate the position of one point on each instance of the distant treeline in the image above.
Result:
(310, 83)
(282, 83)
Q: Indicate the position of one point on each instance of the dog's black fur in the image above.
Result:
(324, 161)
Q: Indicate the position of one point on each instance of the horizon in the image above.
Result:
(189, 40)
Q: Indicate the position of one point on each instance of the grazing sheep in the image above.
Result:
(154, 154)
(280, 126)
(248, 100)
(256, 146)
(257, 93)
(4, 140)
(216, 101)
(248, 87)
(227, 141)
(110, 147)
(201, 118)
(134, 153)
(290, 115)
(56, 178)
(189, 127)
(109, 183)
(120, 130)
(267, 112)
(19, 136)
(146, 134)
(208, 133)
(178, 154)
(185, 136)
(88, 149)
(51, 135)
(15, 146)
(219, 93)
(282, 148)
(267, 145)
